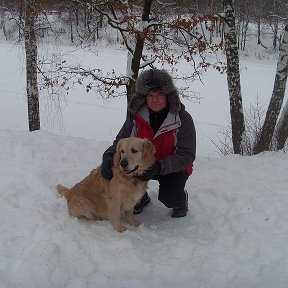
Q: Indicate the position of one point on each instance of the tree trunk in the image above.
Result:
(275, 23)
(281, 133)
(277, 98)
(258, 30)
(275, 34)
(134, 57)
(31, 66)
(71, 26)
(233, 77)
(2, 23)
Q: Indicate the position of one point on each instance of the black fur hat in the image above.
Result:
(157, 81)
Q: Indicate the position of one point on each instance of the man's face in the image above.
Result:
(156, 101)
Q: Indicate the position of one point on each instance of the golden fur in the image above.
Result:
(97, 198)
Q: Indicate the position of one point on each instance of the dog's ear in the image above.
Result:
(117, 153)
(148, 149)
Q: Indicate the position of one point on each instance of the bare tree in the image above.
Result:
(31, 65)
(233, 76)
(134, 31)
(145, 24)
(277, 98)
(242, 27)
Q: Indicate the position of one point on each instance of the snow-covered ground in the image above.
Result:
(234, 236)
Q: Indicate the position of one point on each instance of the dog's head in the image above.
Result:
(134, 155)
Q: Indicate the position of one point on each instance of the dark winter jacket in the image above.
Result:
(175, 140)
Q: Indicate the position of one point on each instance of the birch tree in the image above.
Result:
(276, 101)
(233, 76)
(281, 133)
(31, 65)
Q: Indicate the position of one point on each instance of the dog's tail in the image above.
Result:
(63, 190)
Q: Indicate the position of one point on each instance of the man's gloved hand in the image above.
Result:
(106, 166)
(149, 174)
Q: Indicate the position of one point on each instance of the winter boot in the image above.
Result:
(144, 201)
(178, 212)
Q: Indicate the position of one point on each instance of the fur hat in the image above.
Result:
(157, 81)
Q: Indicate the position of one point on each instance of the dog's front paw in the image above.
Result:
(134, 222)
(120, 228)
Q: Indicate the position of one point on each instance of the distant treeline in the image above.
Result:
(77, 23)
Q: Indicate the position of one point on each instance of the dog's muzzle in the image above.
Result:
(124, 165)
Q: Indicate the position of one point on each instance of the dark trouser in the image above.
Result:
(171, 189)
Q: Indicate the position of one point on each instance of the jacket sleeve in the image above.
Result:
(185, 151)
(125, 131)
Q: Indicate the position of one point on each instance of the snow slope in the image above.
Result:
(235, 234)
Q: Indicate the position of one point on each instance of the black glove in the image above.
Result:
(151, 172)
(106, 166)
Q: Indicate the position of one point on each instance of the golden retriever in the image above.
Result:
(97, 198)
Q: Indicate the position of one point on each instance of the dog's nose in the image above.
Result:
(124, 163)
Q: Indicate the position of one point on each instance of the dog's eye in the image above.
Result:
(133, 150)
(122, 151)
